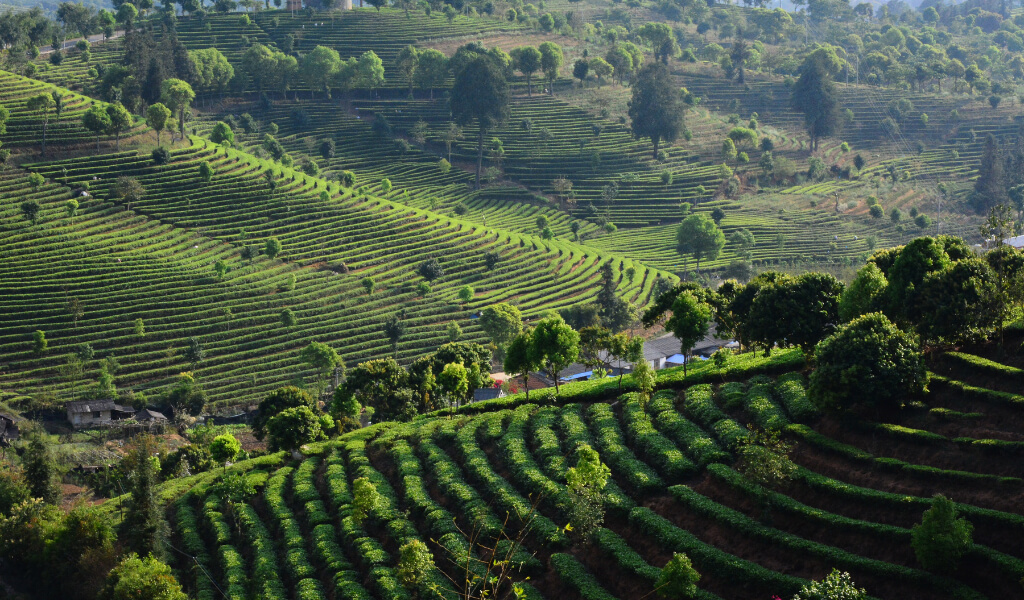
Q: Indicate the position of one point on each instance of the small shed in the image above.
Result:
(8, 431)
(97, 413)
(489, 393)
(150, 416)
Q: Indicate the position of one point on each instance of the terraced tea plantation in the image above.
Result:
(460, 484)
(95, 274)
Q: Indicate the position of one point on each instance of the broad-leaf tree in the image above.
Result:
(656, 106)
(698, 236)
(156, 118)
(689, 322)
(519, 358)
(407, 62)
(866, 362)
(555, 346)
(526, 60)
(480, 96)
(814, 95)
(43, 104)
(551, 59)
(120, 120)
(178, 96)
(276, 402)
(97, 121)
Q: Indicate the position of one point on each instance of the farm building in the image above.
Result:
(8, 431)
(96, 413)
(150, 416)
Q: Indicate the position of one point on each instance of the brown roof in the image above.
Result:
(87, 406)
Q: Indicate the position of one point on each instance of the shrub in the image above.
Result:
(678, 578)
(161, 156)
(836, 586)
(940, 540)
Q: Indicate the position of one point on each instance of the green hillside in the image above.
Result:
(674, 488)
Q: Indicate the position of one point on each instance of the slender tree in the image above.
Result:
(526, 60)
(656, 107)
(42, 104)
(480, 96)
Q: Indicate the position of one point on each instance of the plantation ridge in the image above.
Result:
(506, 300)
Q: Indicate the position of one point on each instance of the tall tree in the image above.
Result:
(551, 59)
(319, 67)
(177, 95)
(689, 322)
(276, 402)
(480, 95)
(656, 106)
(324, 360)
(815, 96)
(519, 359)
(990, 187)
(43, 104)
(526, 60)
(431, 70)
(156, 117)
(142, 526)
(501, 322)
(699, 237)
(40, 467)
(120, 121)
(97, 121)
(407, 62)
(554, 346)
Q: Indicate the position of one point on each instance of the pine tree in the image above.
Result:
(142, 526)
(41, 471)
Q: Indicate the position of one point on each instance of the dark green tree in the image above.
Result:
(698, 236)
(615, 312)
(941, 539)
(815, 96)
(40, 467)
(142, 528)
(519, 358)
(656, 106)
(276, 402)
(381, 384)
(957, 304)
(480, 96)
(867, 362)
(292, 428)
(689, 323)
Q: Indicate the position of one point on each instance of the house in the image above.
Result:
(150, 416)
(97, 413)
(488, 393)
(8, 431)
(1016, 242)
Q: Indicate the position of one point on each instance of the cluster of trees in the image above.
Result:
(933, 291)
(82, 554)
(446, 378)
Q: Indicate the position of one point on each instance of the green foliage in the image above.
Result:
(941, 539)
(678, 578)
(763, 457)
(414, 563)
(142, 528)
(700, 237)
(365, 499)
(656, 106)
(225, 448)
(866, 362)
(292, 428)
(645, 378)
(689, 322)
(554, 346)
(835, 586)
(276, 402)
(142, 578)
(42, 473)
(864, 294)
(39, 342)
